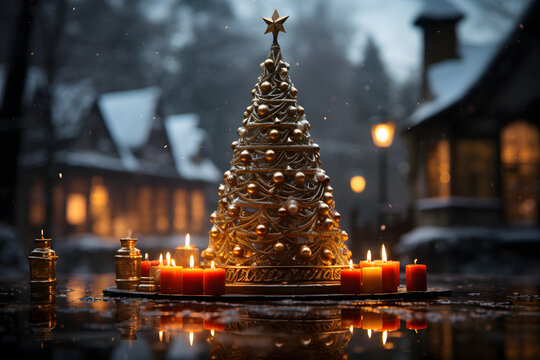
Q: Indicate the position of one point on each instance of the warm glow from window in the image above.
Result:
(358, 184)
(76, 209)
(180, 210)
(197, 210)
(162, 210)
(146, 205)
(438, 169)
(100, 209)
(383, 134)
(36, 203)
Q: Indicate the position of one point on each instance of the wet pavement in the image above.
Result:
(485, 317)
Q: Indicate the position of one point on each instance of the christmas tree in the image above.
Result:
(276, 220)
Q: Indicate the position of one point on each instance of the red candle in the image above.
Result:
(390, 322)
(351, 317)
(212, 324)
(145, 266)
(416, 324)
(415, 276)
(214, 281)
(388, 268)
(171, 278)
(350, 280)
(193, 279)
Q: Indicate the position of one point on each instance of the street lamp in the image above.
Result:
(358, 183)
(382, 133)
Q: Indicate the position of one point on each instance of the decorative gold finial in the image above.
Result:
(275, 24)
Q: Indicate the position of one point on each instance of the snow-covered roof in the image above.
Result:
(450, 80)
(186, 140)
(438, 10)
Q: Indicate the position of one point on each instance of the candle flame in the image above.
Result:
(188, 240)
(191, 262)
(168, 257)
(383, 253)
(42, 234)
(191, 338)
(351, 329)
(173, 263)
(129, 232)
(212, 265)
(384, 337)
(369, 333)
(160, 335)
(161, 259)
(415, 260)
(369, 255)
(212, 332)
(145, 256)
(350, 264)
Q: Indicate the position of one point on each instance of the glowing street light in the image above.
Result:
(383, 134)
(358, 183)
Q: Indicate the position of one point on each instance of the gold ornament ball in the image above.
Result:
(269, 64)
(284, 86)
(291, 110)
(297, 134)
(326, 254)
(328, 197)
(261, 229)
(326, 180)
(233, 210)
(253, 92)
(278, 177)
(226, 174)
(231, 179)
(344, 235)
(246, 114)
(292, 209)
(337, 216)
(238, 251)
(299, 177)
(263, 110)
(320, 176)
(252, 188)
(242, 131)
(214, 231)
(273, 134)
(270, 155)
(245, 156)
(301, 110)
(305, 252)
(266, 87)
(279, 247)
(323, 209)
(234, 144)
(249, 108)
(294, 91)
(209, 254)
(284, 72)
(282, 212)
(221, 190)
(213, 216)
(328, 224)
(330, 189)
(316, 148)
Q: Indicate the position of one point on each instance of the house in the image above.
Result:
(117, 163)
(474, 142)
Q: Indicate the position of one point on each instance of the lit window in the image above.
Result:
(36, 203)
(99, 207)
(76, 209)
(162, 210)
(180, 210)
(520, 169)
(475, 168)
(438, 169)
(146, 221)
(197, 210)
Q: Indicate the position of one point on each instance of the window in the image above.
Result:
(146, 203)
(520, 167)
(36, 203)
(197, 210)
(100, 207)
(438, 169)
(76, 209)
(162, 210)
(180, 210)
(475, 168)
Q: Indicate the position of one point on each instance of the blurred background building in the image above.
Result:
(92, 143)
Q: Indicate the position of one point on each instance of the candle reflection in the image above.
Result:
(191, 338)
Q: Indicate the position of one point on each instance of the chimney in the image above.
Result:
(438, 20)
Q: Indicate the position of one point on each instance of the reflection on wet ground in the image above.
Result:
(484, 318)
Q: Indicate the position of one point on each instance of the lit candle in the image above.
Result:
(193, 279)
(183, 253)
(372, 280)
(416, 324)
(211, 324)
(415, 276)
(145, 266)
(154, 269)
(390, 322)
(171, 277)
(214, 280)
(372, 321)
(351, 317)
(388, 272)
(350, 280)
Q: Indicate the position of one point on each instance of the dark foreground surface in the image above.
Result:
(485, 317)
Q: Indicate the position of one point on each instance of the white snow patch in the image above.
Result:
(186, 139)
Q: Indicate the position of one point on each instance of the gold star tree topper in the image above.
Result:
(275, 24)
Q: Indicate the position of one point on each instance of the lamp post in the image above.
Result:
(382, 133)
